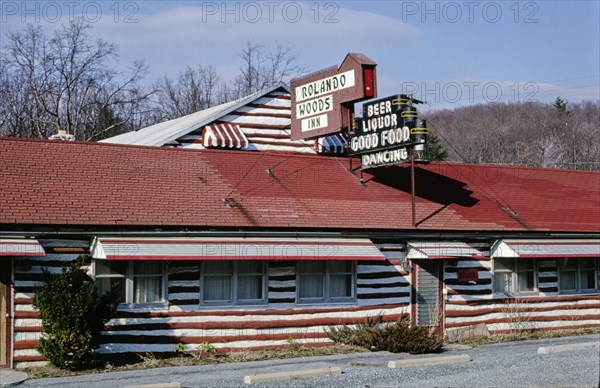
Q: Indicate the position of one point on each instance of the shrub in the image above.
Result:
(397, 337)
(206, 347)
(179, 348)
(362, 334)
(72, 316)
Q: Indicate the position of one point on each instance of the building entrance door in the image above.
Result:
(429, 299)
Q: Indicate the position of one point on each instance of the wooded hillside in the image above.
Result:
(561, 135)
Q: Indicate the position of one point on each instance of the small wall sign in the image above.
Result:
(468, 275)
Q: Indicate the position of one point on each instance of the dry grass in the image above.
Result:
(524, 336)
(148, 361)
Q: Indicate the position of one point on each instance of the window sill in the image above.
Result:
(582, 293)
(510, 295)
(326, 303)
(143, 307)
(249, 306)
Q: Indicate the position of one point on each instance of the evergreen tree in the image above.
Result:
(72, 317)
(434, 150)
(561, 106)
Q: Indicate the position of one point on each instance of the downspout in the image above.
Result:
(413, 293)
(11, 309)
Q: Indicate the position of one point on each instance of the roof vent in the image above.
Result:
(62, 135)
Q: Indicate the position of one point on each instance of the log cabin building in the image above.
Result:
(208, 242)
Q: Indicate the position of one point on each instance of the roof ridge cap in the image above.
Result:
(510, 166)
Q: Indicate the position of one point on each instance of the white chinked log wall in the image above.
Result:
(469, 305)
(382, 289)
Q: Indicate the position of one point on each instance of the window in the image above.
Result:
(326, 281)
(519, 276)
(228, 282)
(577, 275)
(503, 279)
(514, 276)
(136, 282)
(588, 274)
(147, 281)
(567, 269)
(525, 276)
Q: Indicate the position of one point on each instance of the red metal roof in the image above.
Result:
(199, 248)
(446, 249)
(20, 247)
(75, 183)
(533, 248)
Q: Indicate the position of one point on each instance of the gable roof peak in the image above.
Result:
(164, 132)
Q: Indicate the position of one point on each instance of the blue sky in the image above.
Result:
(450, 53)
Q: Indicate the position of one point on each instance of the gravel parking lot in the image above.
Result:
(516, 364)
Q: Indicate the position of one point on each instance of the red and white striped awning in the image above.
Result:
(212, 248)
(224, 135)
(538, 248)
(446, 250)
(20, 247)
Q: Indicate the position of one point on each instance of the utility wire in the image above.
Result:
(247, 172)
(336, 158)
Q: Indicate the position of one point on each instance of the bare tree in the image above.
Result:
(262, 69)
(195, 89)
(199, 88)
(65, 83)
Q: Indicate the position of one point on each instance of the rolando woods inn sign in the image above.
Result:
(323, 104)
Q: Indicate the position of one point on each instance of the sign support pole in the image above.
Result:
(412, 185)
